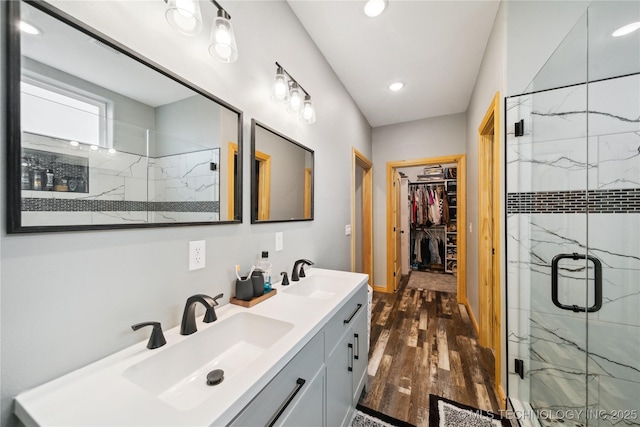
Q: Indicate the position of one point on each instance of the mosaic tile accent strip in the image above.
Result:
(598, 201)
(34, 204)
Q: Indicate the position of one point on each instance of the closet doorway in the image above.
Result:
(394, 194)
(361, 214)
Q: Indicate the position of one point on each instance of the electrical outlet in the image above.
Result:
(347, 230)
(196, 255)
(279, 241)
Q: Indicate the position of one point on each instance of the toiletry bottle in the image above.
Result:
(48, 182)
(265, 265)
(25, 177)
(36, 181)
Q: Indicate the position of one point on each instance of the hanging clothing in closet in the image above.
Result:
(428, 205)
(427, 248)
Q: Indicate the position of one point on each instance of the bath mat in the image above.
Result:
(446, 413)
(366, 417)
(440, 282)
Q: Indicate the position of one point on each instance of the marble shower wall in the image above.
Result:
(180, 187)
(580, 153)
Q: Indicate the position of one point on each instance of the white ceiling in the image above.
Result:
(434, 47)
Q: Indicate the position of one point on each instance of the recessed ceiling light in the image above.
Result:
(622, 31)
(25, 27)
(374, 8)
(74, 143)
(396, 86)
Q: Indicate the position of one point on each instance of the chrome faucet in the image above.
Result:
(295, 276)
(188, 325)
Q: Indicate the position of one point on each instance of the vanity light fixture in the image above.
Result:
(627, 29)
(287, 89)
(373, 8)
(280, 88)
(308, 113)
(222, 44)
(186, 18)
(28, 28)
(295, 98)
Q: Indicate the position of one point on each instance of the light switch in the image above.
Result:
(279, 241)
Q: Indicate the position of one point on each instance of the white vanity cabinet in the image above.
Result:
(346, 359)
(294, 395)
(333, 366)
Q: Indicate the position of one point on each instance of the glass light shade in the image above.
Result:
(308, 113)
(28, 28)
(374, 8)
(295, 98)
(222, 44)
(627, 29)
(280, 87)
(184, 16)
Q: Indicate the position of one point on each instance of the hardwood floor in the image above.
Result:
(423, 342)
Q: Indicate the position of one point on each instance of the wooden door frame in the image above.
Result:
(489, 294)
(460, 161)
(360, 160)
(232, 152)
(396, 218)
(308, 179)
(264, 186)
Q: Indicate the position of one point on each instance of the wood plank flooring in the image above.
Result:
(423, 342)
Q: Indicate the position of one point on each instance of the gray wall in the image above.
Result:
(438, 136)
(68, 299)
(191, 124)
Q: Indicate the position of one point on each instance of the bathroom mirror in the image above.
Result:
(281, 177)
(100, 138)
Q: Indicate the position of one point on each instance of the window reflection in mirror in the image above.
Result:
(104, 138)
(282, 177)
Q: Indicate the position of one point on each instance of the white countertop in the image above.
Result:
(98, 394)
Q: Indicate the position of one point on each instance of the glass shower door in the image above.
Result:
(573, 227)
(613, 333)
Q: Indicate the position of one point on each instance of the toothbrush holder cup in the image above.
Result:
(258, 283)
(244, 288)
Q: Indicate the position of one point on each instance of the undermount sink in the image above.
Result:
(178, 375)
(316, 287)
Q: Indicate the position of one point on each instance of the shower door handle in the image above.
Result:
(598, 283)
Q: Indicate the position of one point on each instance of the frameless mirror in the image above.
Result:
(281, 177)
(102, 138)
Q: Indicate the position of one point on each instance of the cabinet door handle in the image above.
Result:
(299, 383)
(350, 365)
(353, 314)
(356, 351)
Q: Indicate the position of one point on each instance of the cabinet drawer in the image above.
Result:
(344, 319)
(285, 389)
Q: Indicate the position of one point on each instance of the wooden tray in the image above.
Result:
(254, 301)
